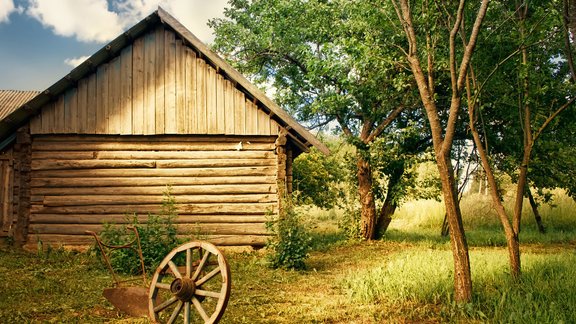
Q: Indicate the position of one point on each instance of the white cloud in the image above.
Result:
(6, 8)
(102, 20)
(195, 14)
(87, 20)
(74, 62)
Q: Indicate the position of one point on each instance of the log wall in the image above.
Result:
(7, 217)
(157, 85)
(224, 185)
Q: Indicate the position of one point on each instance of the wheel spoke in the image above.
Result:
(210, 275)
(200, 309)
(207, 277)
(201, 265)
(187, 313)
(207, 293)
(188, 263)
(165, 304)
(174, 269)
(175, 313)
(162, 286)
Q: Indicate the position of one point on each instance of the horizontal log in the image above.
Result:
(158, 190)
(151, 155)
(176, 155)
(215, 163)
(57, 240)
(191, 209)
(76, 200)
(184, 229)
(147, 181)
(155, 138)
(238, 240)
(90, 164)
(128, 219)
(180, 172)
(151, 146)
(68, 156)
(64, 164)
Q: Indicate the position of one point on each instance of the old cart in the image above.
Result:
(191, 284)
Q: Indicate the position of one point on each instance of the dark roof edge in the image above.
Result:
(21, 115)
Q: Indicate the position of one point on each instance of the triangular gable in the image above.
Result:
(10, 100)
(110, 64)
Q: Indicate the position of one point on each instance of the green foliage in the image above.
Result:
(330, 63)
(317, 179)
(157, 238)
(291, 240)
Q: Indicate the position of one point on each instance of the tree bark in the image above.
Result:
(390, 203)
(537, 216)
(527, 140)
(367, 203)
(385, 217)
(520, 187)
(511, 236)
(462, 276)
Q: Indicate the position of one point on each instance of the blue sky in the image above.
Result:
(42, 40)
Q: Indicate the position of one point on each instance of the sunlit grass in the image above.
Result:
(545, 293)
(421, 221)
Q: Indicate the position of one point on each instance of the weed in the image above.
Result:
(157, 239)
(290, 243)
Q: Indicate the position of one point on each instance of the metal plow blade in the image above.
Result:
(130, 300)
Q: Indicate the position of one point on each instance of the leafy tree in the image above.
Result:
(433, 48)
(328, 62)
(318, 178)
(532, 57)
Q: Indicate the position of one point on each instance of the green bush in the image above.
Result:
(157, 239)
(291, 240)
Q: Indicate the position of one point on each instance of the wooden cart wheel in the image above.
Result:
(191, 285)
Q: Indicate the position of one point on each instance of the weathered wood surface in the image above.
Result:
(183, 228)
(157, 85)
(6, 192)
(87, 240)
(79, 182)
(127, 219)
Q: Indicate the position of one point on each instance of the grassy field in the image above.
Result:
(404, 278)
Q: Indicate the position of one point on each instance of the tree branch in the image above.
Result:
(551, 117)
(380, 128)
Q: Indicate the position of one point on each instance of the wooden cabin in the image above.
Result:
(153, 108)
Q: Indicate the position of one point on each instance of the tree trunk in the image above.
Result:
(445, 230)
(367, 203)
(511, 236)
(521, 187)
(385, 217)
(462, 276)
(390, 203)
(534, 206)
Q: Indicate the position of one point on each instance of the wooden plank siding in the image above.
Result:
(155, 86)
(7, 216)
(224, 193)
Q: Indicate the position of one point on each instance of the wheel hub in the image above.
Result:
(183, 288)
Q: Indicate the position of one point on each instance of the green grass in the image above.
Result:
(546, 293)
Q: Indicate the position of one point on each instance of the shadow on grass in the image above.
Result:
(323, 241)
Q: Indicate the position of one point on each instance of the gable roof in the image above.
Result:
(23, 110)
(10, 100)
